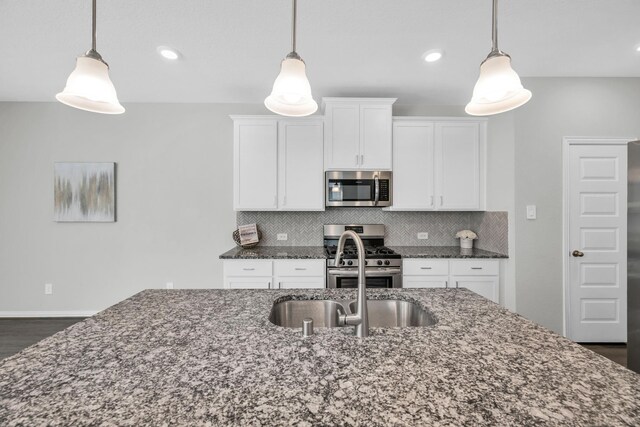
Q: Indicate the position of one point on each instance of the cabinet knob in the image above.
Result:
(577, 253)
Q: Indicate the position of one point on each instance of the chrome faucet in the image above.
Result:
(361, 319)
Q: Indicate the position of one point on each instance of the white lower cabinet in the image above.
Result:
(479, 276)
(487, 286)
(274, 274)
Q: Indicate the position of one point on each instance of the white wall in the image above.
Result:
(174, 203)
(560, 107)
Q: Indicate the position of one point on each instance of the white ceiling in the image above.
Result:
(232, 48)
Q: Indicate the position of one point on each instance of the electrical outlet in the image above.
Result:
(169, 285)
(48, 288)
(423, 236)
(282, 236)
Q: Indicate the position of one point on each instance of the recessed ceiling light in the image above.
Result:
(433, 55)
(168, 53)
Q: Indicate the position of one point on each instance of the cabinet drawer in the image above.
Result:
(299, 268)
(299, 283)
(248, 268)
(474, 268)
(425, 267)
(410, 282)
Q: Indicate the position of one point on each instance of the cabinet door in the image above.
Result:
(247, 282)
(413, 172)
(301, 170)
(458, 166)
(486, 286)
(255, 183)
(375, 137)
(342, 138)
(299, 282)
(425, 282)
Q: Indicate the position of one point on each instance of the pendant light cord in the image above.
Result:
(93, 27)
(293, 25)
(494, 27)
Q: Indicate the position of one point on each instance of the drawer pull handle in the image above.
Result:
(248, 269)
(476, 268)
(425, 268)
(300, 269)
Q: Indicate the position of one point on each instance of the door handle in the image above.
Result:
(577, 253)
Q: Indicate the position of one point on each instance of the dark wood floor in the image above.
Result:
(17, 334)
(615, 352)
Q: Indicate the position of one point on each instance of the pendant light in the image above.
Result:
(498, 88)
(291, 94)
(88, 86)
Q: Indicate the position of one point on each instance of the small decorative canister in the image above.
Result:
(466, 238)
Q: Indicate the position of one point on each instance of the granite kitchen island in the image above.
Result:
(211, 357)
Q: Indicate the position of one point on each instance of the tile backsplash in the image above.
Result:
(305, 228)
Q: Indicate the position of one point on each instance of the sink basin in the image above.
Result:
(290, 314)
(393, 313)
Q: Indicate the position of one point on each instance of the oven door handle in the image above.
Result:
(370, 273)
(376, 180)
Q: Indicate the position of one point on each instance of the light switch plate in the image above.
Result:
(282, 236)
(48, 288)
(169, 285)
(531, 212)
(423, 236)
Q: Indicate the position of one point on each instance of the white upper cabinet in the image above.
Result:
(278, 163)
(255, 164)
(300, 153)
(438, 164)
(413, 176)
(358, 133)
(458, 164)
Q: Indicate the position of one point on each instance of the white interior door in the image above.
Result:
(597, 242)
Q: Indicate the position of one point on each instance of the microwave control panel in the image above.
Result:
(384, 190)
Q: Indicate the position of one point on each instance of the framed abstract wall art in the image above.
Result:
(84, 192)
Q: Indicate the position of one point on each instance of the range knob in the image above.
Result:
(379, 262)
(349, 262)
(341, 262)
(366, 263)
(387, 262)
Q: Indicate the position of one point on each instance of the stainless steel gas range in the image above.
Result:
(383, 265)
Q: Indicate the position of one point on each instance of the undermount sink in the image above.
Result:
(389, 313)
(393, 313)
(290, 314)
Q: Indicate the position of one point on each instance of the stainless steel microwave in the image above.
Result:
(358, 188)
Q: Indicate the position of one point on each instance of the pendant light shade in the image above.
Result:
(291, 94)
(89, 87)
(498, 88)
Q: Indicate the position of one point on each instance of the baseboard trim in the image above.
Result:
(73, 313)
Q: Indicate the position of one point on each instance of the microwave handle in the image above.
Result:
(377, 186)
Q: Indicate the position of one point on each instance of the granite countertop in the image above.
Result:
(276, 252)
(318, 252)
(211, 357)
(444, 252)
